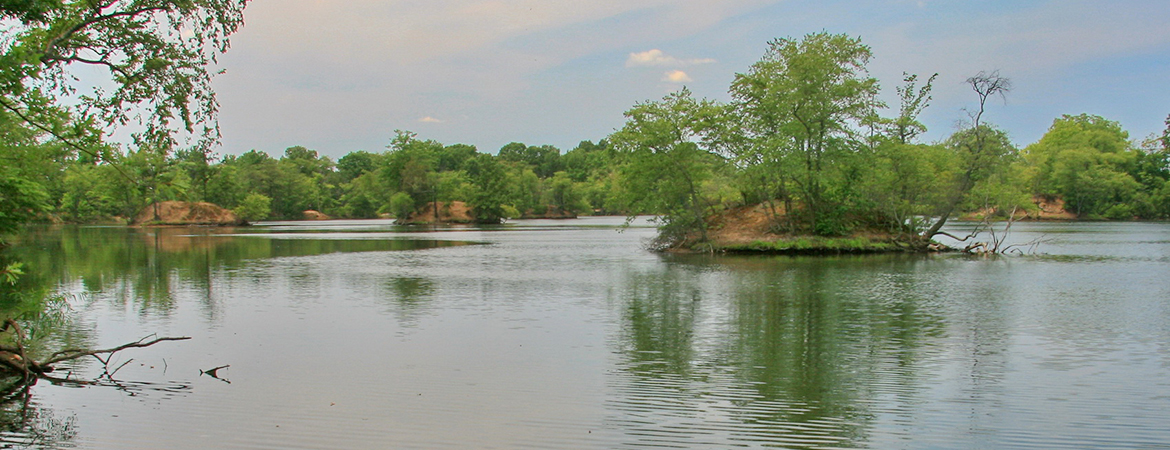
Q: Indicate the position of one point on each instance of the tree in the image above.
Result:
(544, 160)
(906, 127)
(156, 53)
(196, 163)
(1086, 160)
(666, 156)
(564, 196)
(254, 207)
(489, 197)
(586, 161)
(981, 149)
(1151, 169)
(799, 107)
(907, 180)
(20, 201)
(317, 172)
(452, 157)
(411, 166)
(355, 164)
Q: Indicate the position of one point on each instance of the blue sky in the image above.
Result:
(342, 76)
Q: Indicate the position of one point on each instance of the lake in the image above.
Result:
(568, 334)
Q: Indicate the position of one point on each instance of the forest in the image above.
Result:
(804, 134)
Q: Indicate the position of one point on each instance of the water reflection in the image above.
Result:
(26, 424)
(791, 352)
(573, 337)
(410, 297)
(144, 267)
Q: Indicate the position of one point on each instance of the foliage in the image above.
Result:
(799, 107)
(20, 201)
(401, 205)
(254, 207)
(156, 54)
(1089, 162)
(666, 156)
(489, 194)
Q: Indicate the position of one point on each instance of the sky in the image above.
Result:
(338, 77)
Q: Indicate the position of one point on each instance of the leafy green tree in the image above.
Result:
(356, 164)
(291, 190)
(666, 156)
(196, 164)
(544, 160)
(525, 190)
(20, 201)
(907, 180)
(587, 161)
(401, 205)
(308, 162)
(489, 196)
(452, 157)
(564, 195)
(155, 55)
(364, 197)
(1152, 169)
(254, 207)
(799, 107)
(98, 192)
(1087, 161)
(318, 171)
(157, 178)
(914, 99)
(411, 166)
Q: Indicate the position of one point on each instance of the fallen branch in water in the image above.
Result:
(14, 358)
(65, 355)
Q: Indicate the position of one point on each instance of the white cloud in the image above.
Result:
(655, 57)
(677, 76)
(429, 119)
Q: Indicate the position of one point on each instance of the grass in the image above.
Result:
(814, 245)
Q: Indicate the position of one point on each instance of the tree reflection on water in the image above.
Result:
(770, 352)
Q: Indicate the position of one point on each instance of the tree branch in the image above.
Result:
(65, 355)
(53, 43)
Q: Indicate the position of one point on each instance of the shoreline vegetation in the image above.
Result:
(804, 151)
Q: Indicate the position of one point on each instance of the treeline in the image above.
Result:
(803, 134)
(518, 181)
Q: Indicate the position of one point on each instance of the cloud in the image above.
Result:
(677, 76)
(655, 57)
(429, 119)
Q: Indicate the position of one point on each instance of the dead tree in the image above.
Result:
(978, 152)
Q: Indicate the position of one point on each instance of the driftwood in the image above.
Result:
(14, 359)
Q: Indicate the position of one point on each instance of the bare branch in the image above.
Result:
(65, 355)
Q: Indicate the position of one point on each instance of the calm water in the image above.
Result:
(541, 334)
